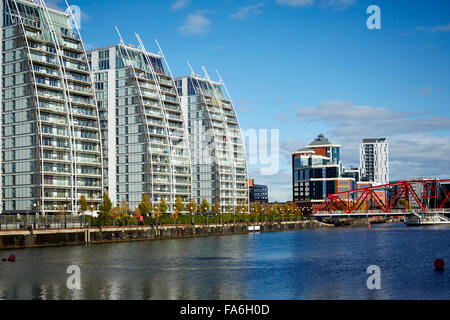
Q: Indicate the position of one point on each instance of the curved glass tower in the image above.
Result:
(219, 169)
(143, 126)
(51, 145)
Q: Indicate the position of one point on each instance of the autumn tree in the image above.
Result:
(244, 207)
(124, 207)
(179, 207)
(204, 206)
(105, 208)
(115, 214)
(83, 204)
(192, 207)
(255, 210)
(156, 212)
(287, 209)
(145, 207)
(163, 207)
(216, 208)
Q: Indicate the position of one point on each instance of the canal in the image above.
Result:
(327, 263)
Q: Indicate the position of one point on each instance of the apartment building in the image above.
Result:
(219, 168)
(374, 160)
(51, 150)
(144, 135)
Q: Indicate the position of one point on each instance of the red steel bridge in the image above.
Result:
(393, 199)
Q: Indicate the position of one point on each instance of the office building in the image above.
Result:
(144, 133)
(318, 172)
(219, 171)
(257, 192)
(374, 160)
(51, 147)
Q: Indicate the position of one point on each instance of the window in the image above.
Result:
(103, 64)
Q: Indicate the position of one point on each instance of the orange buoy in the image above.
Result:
(11, 258)
(439, 265)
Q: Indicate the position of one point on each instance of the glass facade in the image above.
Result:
(145, 138)
(51, 147)
(219, 171)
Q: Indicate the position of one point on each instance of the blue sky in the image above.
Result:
(307, 67)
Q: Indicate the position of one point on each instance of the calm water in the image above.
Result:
(307, 264)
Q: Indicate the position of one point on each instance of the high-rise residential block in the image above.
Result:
(374, 160)
(219, 169)
(144, 134)
(51, 148)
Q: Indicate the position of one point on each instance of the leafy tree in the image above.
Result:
(83, 203)
(287, 209)
(115, 214)
(157, 212)
(216, 208)
(124, 207)
(275, 209)
(191, 207)
(163, 207)
(137, 213)
(296, 210)
(105, 208)
(204, 206)
(178, 205)
(244, 207)
(145, 207)
(255, 210)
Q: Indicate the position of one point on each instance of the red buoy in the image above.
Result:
(368, 226)
(439, 265)
(12, 258)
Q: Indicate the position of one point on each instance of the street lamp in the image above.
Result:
(65, 221)
(92, 209)
(35, 215)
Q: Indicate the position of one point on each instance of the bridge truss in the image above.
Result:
(425, 195)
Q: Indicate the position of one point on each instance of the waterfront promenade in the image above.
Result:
(103, 234)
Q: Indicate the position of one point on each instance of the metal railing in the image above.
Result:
(25, 222)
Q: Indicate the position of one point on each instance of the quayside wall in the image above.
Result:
(76, 236)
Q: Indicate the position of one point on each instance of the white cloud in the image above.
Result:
(443, 28)
(244, 12)
(242, 106)
(195, 23)
(296, 3)
(180, 4)
(438, 28)
(416, 149)
(349, 119)
(339, 4)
